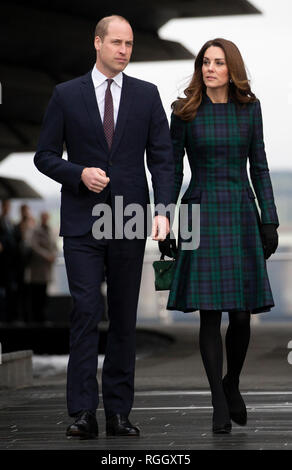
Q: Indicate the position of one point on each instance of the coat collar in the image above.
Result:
(206, 99)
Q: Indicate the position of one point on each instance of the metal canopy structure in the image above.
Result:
(11, 188)
(50, 41)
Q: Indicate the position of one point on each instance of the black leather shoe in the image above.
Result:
(236, 405)
(119, 425)
(85, 426)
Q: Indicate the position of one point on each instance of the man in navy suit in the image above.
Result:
(107, 121)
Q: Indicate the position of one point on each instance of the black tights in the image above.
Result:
(236, 341)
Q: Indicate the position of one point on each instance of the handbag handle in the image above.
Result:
(162, 256)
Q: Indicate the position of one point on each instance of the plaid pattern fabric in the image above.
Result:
(227, 271)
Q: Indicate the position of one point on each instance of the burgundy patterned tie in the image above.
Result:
(108, 118)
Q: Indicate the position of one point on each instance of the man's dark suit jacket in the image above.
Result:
(73, 117)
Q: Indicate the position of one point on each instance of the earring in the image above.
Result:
(230, 81)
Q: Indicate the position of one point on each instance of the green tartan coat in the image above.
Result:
(228, 270)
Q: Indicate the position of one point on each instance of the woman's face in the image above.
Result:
(214, 68)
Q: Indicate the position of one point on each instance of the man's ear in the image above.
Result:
(97, 42)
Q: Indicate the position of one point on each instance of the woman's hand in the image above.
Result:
(269, 237)
(168, 247)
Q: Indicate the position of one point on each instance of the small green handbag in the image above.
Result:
(163, 271)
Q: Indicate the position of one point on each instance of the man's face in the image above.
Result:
(114, 52)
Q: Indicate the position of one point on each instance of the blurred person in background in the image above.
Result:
(23, 233)
(8, 265)
(43, 254)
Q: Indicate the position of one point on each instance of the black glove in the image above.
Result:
(168, 247)
(269, 237)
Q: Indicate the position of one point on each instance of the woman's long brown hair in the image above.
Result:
(239, 88)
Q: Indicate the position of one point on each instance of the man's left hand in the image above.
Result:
(160, 227)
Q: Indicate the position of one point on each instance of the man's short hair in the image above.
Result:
(102, 26)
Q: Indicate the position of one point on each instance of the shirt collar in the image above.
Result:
(98, 78)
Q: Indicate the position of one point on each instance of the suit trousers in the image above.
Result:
(88, 262)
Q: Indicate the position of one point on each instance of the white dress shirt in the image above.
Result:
(100, 86)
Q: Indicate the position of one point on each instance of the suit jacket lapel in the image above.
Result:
(89, 96)
(125, 105)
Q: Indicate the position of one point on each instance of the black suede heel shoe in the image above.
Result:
(236, 405)
(222, 428)
(221, 420)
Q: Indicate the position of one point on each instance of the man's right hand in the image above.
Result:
(95, 179)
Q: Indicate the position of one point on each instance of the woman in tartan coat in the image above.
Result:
(219, 124)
